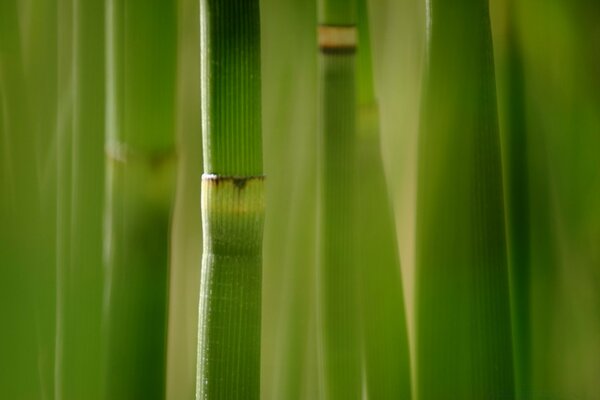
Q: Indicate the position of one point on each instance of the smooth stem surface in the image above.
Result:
(140, 162)
(21, 376)
(337, 275)
(463, 316)
(385, 338)
(517, 205)
(339, 339)
(232, 201)
(79, 225)
(365, 81)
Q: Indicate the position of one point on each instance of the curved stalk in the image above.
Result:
(232, 202)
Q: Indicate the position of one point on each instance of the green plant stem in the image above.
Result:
(22, 374)
(517, 205)
(385, 338)
(232, 202)
(337, 291)
(463, 312)
(140, 165)
(79, 252)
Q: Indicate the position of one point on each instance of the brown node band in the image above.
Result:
(337, 38)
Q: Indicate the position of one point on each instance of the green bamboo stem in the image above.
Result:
(385, 338)
(140, 183)
(79, 229)
(19, 220)
(463, 318)
(337, 291)
(186, 226)
(289, 246)
(515, 153)
(232, 202)
(40, 54)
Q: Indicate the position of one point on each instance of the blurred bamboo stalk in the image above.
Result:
(383, 317)
(79, 202)
(21, 338)
(339, 336)
(516, 180)
(232, 201)
(140, 183)
(186, 254)
(463, 318)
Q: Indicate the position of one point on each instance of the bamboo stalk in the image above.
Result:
(463, 318)
(19, 220)
(140, 167)
(516, 169)
(385, 339)
(337, 291)
(232, 201)
(187, 220)
(79, 224)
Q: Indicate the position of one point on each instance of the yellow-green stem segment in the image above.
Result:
(230, 293)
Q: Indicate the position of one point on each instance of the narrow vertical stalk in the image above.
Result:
(337, 291)
(19, 220)
(140, 182)
(79, 227)
(385, 339)
(464, 346)
(184, 278)
(232, 201)
(42, 92)
(517, 205)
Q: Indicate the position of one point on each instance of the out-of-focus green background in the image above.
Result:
(559, 56)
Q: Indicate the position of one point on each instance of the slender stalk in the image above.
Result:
(187, 221)
(19, 220)
(517, 205)
(140, 165)
(232, 201)
(463, 316)
(79, 225)
(337, 291)
(385, 338)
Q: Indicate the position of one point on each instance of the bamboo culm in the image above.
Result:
(463, 322)
(338, 338)
(140, 183)
(232, 202)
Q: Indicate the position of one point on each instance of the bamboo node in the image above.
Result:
(337, 38)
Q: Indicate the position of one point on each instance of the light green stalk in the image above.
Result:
(337, 291)
(140, 162)
(232, 201)
(80, 182)
(385, 339)
(20, 378)
(463, 332)
(187, 221)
